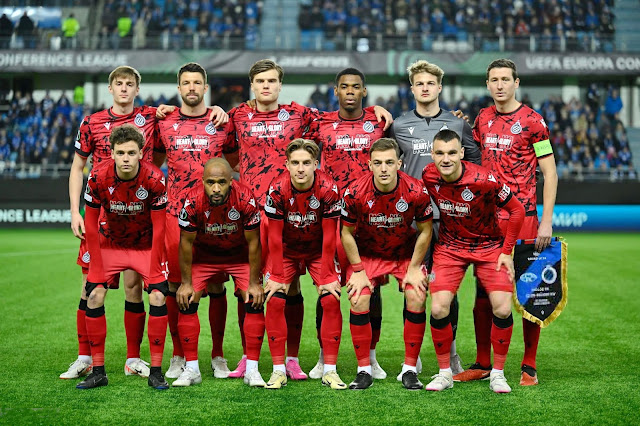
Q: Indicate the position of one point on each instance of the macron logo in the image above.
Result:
(411, 129)
(175, 126)
(107, 125)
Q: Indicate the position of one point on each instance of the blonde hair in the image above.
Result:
(125, 71)
(424, 66)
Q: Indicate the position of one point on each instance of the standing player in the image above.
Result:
(377, 236)
(345, 137)
(514, 140)
(414, 132)
(93, 140)
(133, 198)
(220, 224)
(188, 139)
(303, 207)
(468, 197)
(263, 134)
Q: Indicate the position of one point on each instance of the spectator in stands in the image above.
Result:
(25, 32)
(140, 29)
(70, 28)
(613, 104)
(6, 30)
(124, 28)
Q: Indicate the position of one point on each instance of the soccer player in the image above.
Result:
(303, 207)
(263, 134)
(219, 233)
(414, 132)
(378, 238)
(133, 197)
(468, 197)
(188, 139)
(345, 137)
(514, 140)
(93, 140)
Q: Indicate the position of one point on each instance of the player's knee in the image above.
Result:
(362, 305)
(439, 310)
(502, 310)
(96, 298)
(156, 298)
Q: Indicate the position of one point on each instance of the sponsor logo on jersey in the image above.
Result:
(192, 143)
(402, 205)
(456, 209)
(140, 120)
(300, 220)
(467, 195)
(111, 189)
(283, 115)
(142, 193)
(273, 128)
(314, 203)
(233, 214)
(381, 220)
(107, 125)
(411, 129)
(368, 127)
(122, 208)
(220, 228)
(210, 129)
(498, 143)
(355, 143)
(516, 129)
(421, 147)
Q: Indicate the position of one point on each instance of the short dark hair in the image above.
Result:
(447, 135)
(350, 71)
(192, 67)
(503, 63)
(126, 133)
(264, 65)
(125, 71)
(385, 144)
(305, 144)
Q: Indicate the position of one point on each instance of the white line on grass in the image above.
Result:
(29, 253)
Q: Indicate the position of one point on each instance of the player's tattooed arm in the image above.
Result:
(185, 293)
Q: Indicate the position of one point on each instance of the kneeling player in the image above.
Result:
(468, 197)
(378, 239)
(133, 196)
(303, 207)
(220, 233)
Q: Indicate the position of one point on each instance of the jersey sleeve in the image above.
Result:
(159, 200)
(349, 209)
(503, 193)
(230, 144)
(84, 142)
(251, 212)
(424, 209)
(472, 151)
(540, 137)
(331, 201)
(274, 207)
(188, 219)
(313, 132)
(475, 131)
(91, 192)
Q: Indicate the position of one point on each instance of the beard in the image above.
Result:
(192, 102)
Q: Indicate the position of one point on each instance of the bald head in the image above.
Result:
(218, 163)
(217, 180)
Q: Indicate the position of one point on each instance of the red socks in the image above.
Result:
(134, 317)
(276, 326)
(97, 334)
(253, 331)
(415, 324)
(189, 329)
(360, 326)
(442, 336)
(81, 327)
(157, 333)
(501, 331)
(331, 328)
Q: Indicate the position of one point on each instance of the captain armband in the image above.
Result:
(543, 148)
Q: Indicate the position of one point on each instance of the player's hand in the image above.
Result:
(333, 288)
(184, 296)
(256, 292)
(251, 103)
(507, 261)
(383, 114)
(163, 110)
(271, 288)
(218, 116)
(416, 277)
(543, 240)
(77, 225)
(459, 114)
(356, 284)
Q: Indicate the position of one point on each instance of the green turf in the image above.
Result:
(588, 362)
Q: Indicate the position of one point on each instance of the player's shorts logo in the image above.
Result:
(467, 195)
(140, 120)
(402, 205)
(283, 115)
(142, 193)
(367, 127)
(233, 214)
(516, 129)
(86, 257)
(210, 129)
(314, 203)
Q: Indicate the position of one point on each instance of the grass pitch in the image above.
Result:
(588, 361)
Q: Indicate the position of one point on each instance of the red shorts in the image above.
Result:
(116, 260)
(449, 269)
(529, 228)
(204, 273)
(83, 260)
(377, 269)
(292, 268)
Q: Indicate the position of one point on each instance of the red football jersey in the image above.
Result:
(506, 141)
(188, 143)
(383, 220)
(94, 132)
(263, 138)
(468, 208)
(302, 212)
(345, 144)
(220, 229)
(127, 204)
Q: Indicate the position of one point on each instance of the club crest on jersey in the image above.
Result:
(467, 195)
(207, 214)
(250, 115)
(314, 203)
(233, 214)
(444, 127)
(402, 205)
(86, 257)
(107, 125)
(283, 115)
(516, 129)
(175, 126)
(369, 203)
(142, 193)
(335, 125)
(411, 129)
(140, 120)
(111, 189)
(210, 129)
(367, 127)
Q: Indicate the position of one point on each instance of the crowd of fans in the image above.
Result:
(552, 21)
(589, 140)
